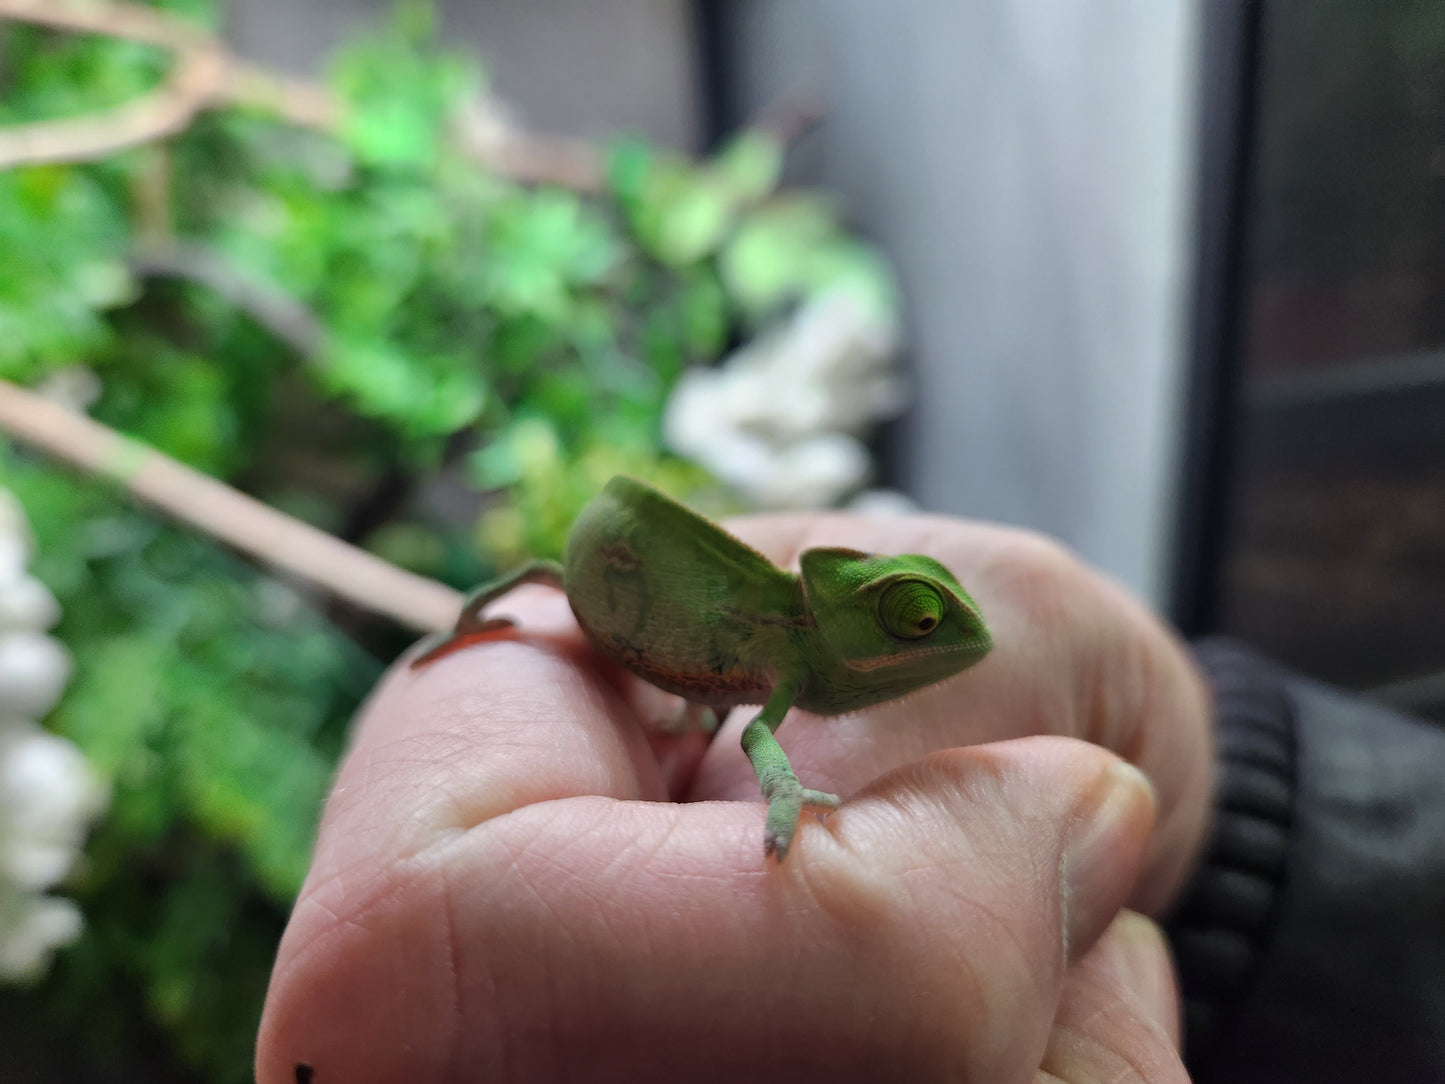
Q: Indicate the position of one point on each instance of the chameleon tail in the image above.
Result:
(471, 626)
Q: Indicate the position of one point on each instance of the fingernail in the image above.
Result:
(1104, 848)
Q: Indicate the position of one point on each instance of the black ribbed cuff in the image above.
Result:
(1221, 925)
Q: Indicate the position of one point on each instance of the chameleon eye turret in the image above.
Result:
(910, 609)
(677, 600)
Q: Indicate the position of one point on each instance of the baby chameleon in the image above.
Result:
(677, 600)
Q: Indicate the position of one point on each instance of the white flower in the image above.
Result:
(75, 387)
(811, 473)
(882, 504)
(780, 418)
(48, 796)
(15, 539)
(26, 603)
(48, 792)
(31, 928)
(277, 604)
(33, 671)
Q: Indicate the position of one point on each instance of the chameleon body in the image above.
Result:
(677, 600)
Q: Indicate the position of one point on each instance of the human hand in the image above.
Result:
(1075, 656)
(490, 900)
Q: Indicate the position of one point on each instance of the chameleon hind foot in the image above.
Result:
(464, 635)
(471, 626)
(689, 718)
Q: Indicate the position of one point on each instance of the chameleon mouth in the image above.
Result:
(877, 662)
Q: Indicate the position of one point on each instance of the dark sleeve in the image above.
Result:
(1311, 941)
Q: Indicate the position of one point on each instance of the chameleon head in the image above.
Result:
(907, 614)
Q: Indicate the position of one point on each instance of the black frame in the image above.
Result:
(1228, 122)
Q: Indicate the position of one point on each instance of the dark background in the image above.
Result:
(1315, 519)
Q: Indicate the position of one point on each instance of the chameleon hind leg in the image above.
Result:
(471, 626)
(690, 717)
(785, 796)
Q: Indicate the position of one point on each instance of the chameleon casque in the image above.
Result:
(678, 601)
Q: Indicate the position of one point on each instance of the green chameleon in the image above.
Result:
(677, 600)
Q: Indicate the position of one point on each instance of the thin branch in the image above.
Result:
(134, 22)
(279, 312)
(194, 82)
(151, 190)
(298, 102)
(791, 117)
(216, 509)
(487, 135)
(207, 75)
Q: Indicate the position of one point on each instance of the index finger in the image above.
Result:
(529, 717)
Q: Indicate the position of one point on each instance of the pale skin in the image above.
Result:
(515, 880)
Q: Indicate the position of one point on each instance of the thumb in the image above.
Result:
(1006, 862)
(1118, 1018)
(1054, 821)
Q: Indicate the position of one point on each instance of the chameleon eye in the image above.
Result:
(910, 610)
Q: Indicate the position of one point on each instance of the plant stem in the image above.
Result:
(206, 75)
(224, 513)
(196, 80)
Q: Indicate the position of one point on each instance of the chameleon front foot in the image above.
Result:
(785, 804)
(786, 797)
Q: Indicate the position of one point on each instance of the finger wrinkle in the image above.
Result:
(515, 839)
(388, 885)
(1079, 1055)
(1103, 1029)
(303, 962)
(650, 856)
(292, 959)
(939, 891)
(1009, 1010)
(498, 1038)
(611, 862)
(842, 884)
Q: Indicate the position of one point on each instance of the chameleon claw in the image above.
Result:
(784, 808)
(821, 800)
(472, 627)
(444, 645)
(773, 845)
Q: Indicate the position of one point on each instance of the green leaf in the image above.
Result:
(858, 270)
(629, 163)
(539, 248)
(704, 312)
(684, 216)
(400, 93)
(113, 709)
(423, 396)
(750, 166)
(769, 260)
(250, 779)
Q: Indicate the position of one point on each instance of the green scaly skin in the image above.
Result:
(677, 600)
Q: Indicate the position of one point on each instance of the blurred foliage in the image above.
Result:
(215, 701)
(373, 332)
